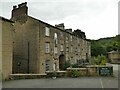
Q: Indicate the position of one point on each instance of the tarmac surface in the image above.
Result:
(83, 82)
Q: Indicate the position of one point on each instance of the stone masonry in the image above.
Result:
(39, 47)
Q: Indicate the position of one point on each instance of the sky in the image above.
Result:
(97, 18)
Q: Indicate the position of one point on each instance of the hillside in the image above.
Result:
(104, 45)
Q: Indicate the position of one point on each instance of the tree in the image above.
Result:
(99, 60)
(102, 60)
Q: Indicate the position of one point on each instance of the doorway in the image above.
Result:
(61, 62)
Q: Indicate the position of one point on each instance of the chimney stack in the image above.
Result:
(61, 26)
(21, 10)
(14, 7)
(69, 30)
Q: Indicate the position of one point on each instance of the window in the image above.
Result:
(55, 39)
(47, 31)
(78, 40)
(66, 39)
(55, 35)
(71, 38)
(54, 66)
(67, 58)
(67, 45)
(61, 34)
(47, 65)
(55, 50)
(62, 48)
(67, 49)
(76, 49)
(79, 49)
(78, 62)
(47, 47)
(71, 49)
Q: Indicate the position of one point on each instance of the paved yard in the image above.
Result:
(116, 70)
(83, 82)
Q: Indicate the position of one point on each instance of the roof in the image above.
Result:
(5, 19)
(48, 24)
(53, 26)
(114, 51)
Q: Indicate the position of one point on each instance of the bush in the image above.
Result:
(99, 60)
(75, 66)
(67, 64)
(75, 73)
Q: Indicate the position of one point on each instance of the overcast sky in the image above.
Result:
(97, 18)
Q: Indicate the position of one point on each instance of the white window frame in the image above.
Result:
(67, 49)
(47, 65)
(55, 50)
(71, 49)
(61, 34)
(55, 39)
(54, 66)
(78, 49)
(47, 47)
(47, 31)
(71, 37)
(66, 39)
(61, 47)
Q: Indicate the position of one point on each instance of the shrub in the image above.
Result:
(75, 73)
(99, 60)
(67, 65)
(75, 66)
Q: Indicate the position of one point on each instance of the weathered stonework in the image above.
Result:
(6, 46)
(114, 57)
(30, 45)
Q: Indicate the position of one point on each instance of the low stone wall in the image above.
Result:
(56, 74)
(74, 72)
(91, 71)
(79, 71)
(84, 71)
(70, 72)
(27, 76)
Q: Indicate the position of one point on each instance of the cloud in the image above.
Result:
(96, 23)
(97, 18)
(62, 10)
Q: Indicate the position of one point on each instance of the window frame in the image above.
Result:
(61, 47)
(47, 47)
(47, 31)
(47, 66)
(55, 39)
(55, 50)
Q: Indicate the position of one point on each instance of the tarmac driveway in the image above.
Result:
(82, 82)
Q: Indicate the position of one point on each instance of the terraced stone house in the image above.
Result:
(39, 47)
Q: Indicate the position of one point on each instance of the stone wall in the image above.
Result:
(92, 71)
(7, 47)
(26, 46)
(30, 45)
(114, 56)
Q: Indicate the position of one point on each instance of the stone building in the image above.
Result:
(114, 57)
(6, 47)
(40, 47)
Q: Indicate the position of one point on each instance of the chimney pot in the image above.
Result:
(14, 7)
(22, 4)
